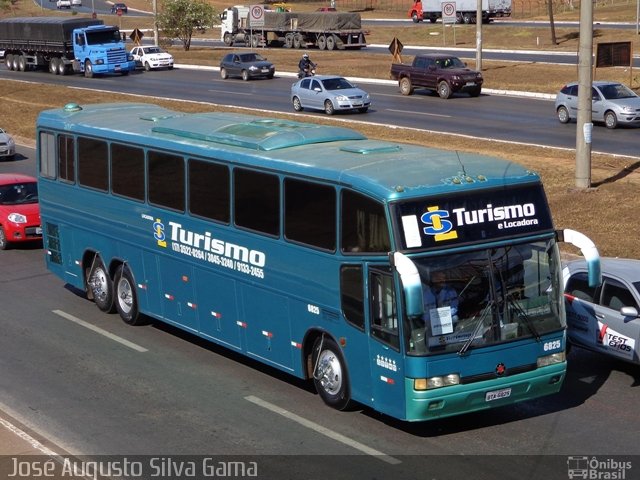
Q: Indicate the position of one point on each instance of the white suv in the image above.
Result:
(63, 4)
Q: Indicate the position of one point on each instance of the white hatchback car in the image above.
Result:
(152, 58)
(7, 145)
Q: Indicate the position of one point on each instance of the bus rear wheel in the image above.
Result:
(100, 286)
(330, 374)
(126, 297)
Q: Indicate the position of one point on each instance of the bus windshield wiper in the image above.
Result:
(476, 329)
(521, 313)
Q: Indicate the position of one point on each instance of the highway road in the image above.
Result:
(499, 117)
(94, 386)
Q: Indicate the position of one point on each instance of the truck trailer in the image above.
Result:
(63, 45)
(466, 10)
(324, 30)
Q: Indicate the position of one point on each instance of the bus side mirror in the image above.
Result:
(411, 284)
(589, 251)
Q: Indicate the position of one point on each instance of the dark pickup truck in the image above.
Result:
(439, 72)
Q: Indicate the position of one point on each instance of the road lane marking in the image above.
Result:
(27, 438)
(99, 330)
(419, 113)
(323, 430)
(229, 92)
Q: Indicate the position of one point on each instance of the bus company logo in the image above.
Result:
(158, 233)
(593, 468)
(438, 225)
(441, 224)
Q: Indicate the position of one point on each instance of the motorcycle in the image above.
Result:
(310, 71)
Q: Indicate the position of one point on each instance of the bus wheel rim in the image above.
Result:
(125, 297)
(330, 372)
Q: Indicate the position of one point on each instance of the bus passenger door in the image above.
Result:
(384, 343)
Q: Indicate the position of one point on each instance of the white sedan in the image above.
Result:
(152, 58)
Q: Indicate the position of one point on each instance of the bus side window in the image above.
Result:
(256, 198)
(66, 160)
(352, 294)
(93, 163)
(310, 213)
(363, 225)
(209, 190)
(47, 155)
(384, 319)
(166, 180)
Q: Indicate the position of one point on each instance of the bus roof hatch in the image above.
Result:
(262, 134)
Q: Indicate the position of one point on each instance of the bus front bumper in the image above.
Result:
(459, 399)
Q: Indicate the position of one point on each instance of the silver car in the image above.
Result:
(7, 145)
(612, 103)
(605, 318)
(328, 93)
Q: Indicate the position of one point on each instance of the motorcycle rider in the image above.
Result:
(305, 66)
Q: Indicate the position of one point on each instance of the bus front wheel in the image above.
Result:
(126, 298)
(100, 286)
(330, 374)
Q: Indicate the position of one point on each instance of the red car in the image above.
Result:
(19, 209)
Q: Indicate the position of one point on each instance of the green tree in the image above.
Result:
(180, 18)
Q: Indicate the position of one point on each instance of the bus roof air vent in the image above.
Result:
(158, 118)
(72, 107)
(262, 134)
(371, 147)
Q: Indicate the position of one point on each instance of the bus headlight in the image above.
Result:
(436, 382)
(552, 359)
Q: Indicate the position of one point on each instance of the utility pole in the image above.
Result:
(156, 34)
(479, 36)
(585, 126)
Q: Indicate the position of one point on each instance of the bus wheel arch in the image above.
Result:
(329, 372)
(98, 281)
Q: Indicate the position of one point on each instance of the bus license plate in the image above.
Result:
(497, 394)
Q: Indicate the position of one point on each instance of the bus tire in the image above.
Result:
(126, 297)
(100, 286)
(330, 374)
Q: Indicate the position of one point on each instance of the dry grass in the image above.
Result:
(606, 213)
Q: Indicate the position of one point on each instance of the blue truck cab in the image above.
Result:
(99, 49)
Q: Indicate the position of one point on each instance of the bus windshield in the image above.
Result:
(486, 297)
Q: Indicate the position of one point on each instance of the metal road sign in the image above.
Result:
(449, 14)
(256, 16)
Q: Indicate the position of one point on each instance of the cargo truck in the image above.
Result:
(63, 45)
(324, 30)
(466, 10)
